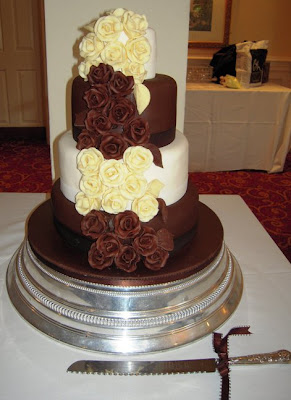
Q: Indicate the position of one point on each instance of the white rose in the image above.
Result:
(136, 70)
(112, 173)
(134, 24)
(138, 159)
(89, 161)
(146, 207)
(92, 186)
(113, 202)
(84, 69)
(108, 28)
(138, 50)
(133, 187)
(84, 204)
(90, 46)
(114, 54)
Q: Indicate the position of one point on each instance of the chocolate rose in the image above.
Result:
(97, 122)
(113, 146)
(94, 224)
(137, 132)
(147, 242)
(122, 111)
(97, 96)
(108, 244)
(127, 259)
(101, 74)
(97, 259)
(156, 260)
(127, 225)
(87, 139)
(120, 84)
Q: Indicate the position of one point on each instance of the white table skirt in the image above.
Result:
(231, 129)
(33, 366)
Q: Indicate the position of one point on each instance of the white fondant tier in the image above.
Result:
(174, 174)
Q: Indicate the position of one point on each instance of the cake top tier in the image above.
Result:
(123, 40)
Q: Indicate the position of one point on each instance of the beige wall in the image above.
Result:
(260, 19)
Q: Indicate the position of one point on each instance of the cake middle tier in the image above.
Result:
(173, 175)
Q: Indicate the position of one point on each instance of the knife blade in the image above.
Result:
(107, 367)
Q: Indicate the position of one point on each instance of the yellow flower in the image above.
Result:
(84, 204)
(137, 159)
(133, 187)
(138, 49)
(134, 24)
(113, 202)
(89, 161)
(112, 173)
(84, 68)
(136, 70)
(114, 54)
(108, 28)
(146, 207)
(91, 186)
(90, 46)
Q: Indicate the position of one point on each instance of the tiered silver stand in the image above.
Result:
(125, 320)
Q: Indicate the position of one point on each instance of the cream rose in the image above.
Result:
(89, 161)
(133, 187)
(134, 24)
(136, 70)
(114, 54)
(138, 50)
(112, 173)
(84, 204)
(137, 159)
(84, 69)
(113, 202)
(146, 207)
(92, 186)
(90, 47)
(108, 28)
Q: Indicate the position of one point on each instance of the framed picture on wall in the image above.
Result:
(209, 23)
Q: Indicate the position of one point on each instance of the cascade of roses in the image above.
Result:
(111, 122)
(123, 241)
(118, 39)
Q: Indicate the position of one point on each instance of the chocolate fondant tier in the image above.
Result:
(160, 113)
(50, 248)
(181, 216)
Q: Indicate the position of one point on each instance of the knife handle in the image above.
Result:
(277, 357)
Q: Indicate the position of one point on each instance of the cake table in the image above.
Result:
(33, 365)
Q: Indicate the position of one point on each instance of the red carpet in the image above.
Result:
(25, 167)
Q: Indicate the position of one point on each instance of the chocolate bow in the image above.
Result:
(220, 345)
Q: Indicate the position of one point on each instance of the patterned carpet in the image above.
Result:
(25, 167)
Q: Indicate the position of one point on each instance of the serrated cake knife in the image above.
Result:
(174, 367)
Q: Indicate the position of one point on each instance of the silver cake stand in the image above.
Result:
(125, 320)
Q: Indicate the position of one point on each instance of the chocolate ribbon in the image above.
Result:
(220, 345)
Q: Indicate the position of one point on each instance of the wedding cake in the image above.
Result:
(123, 219)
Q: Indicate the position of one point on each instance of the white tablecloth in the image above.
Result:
(230, 129)
(33, 366)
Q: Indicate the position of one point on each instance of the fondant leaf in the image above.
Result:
(154, 187)
(165, 239)
(156, 154)
(142, 97)
(163, 209)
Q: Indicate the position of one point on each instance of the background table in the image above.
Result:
(233, 129)
(33, 366)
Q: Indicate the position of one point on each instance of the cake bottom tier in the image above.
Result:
(125, 319)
